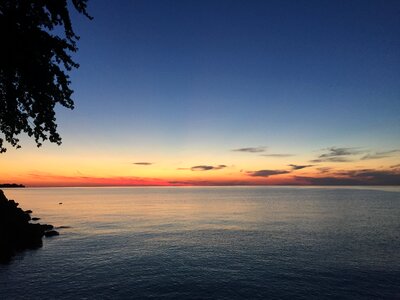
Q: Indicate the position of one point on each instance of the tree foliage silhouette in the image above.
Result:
(37, 41)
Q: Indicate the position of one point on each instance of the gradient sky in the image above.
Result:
(307, 92)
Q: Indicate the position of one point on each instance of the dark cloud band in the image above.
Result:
(267, 173)
(250, 149)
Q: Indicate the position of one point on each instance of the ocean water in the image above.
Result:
(210, 243)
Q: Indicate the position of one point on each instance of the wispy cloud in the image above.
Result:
(331, 159)
(143, 163)
(207, 168)
(334, 151)
(348, 154)
(204, 168)
(266, 173)
(378, 155)
(278, 155)
(250, 149)
(324, 169)
(336, 154)
(299, 167)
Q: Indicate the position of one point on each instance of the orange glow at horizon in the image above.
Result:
(45, 167)
(49, 180)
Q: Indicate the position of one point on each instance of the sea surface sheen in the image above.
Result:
(210, 243)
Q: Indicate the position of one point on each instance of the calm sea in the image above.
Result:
(210, 243)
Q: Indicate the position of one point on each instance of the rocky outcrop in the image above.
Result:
(16, 231)
(11, 185)
(51, 233)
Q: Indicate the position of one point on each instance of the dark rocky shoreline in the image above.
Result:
(11, 185)
(17, 233)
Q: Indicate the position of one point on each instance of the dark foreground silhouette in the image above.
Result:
(16, 231)
(11, 185)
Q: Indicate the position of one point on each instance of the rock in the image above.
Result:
(3, 198)
(27, 211)
(51, 233)
(16, 232)
(60, 203)
(35, 219)
(47, 227)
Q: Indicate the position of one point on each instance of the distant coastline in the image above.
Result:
(11, 185)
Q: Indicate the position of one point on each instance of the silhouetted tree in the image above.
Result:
(36, 42)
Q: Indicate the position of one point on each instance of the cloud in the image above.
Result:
(143, 163)
(277, 155)
(267, 173)
(372, 174)
(324, 169)
(348, 154)
(334, 151)
(378, 155)
(331, 159)
(357, 177)
(299, 167)
(250, 149)
(336, 154)
(204, 168)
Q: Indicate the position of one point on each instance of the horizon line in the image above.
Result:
(205, 185)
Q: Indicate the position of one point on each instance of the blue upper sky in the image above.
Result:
(303, 73)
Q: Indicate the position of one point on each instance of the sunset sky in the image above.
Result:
(227, 93)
